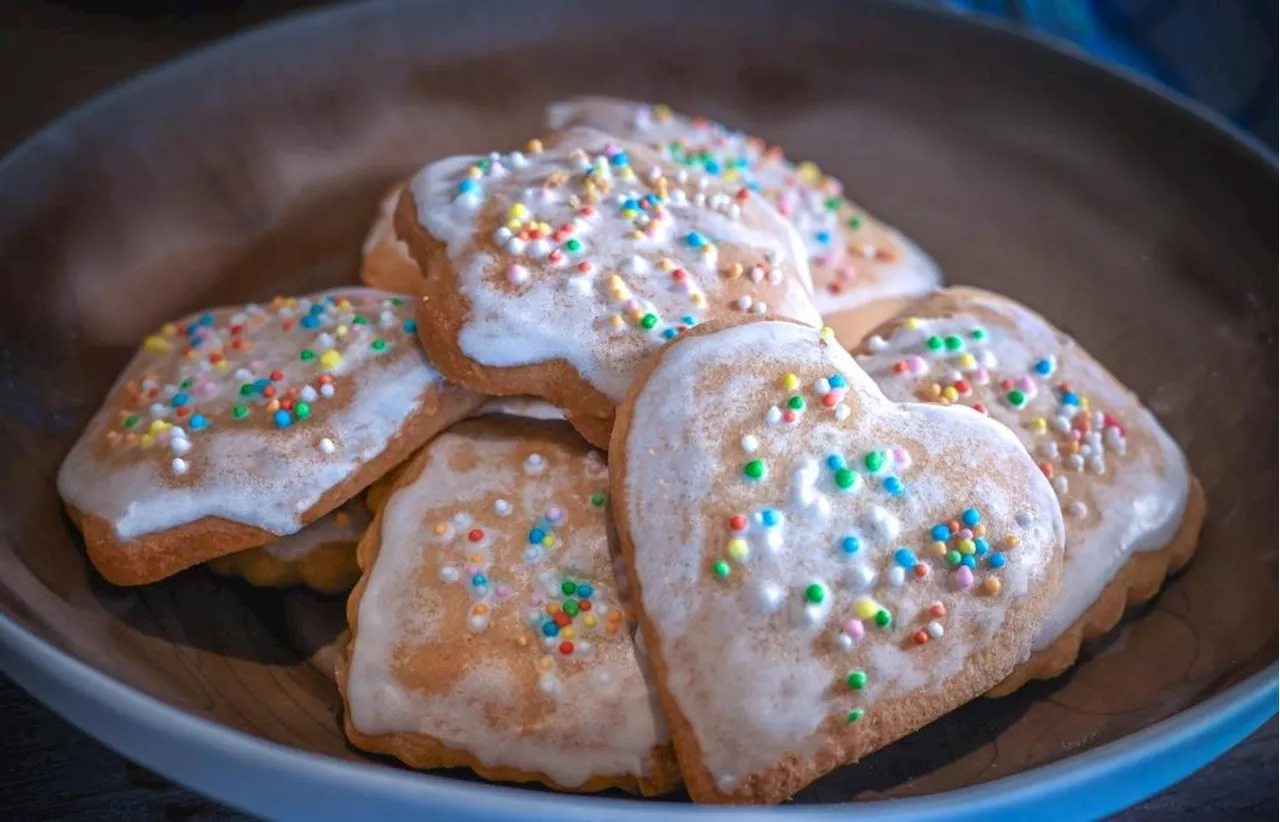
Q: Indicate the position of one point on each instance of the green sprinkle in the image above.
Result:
(754, 469)
(934, 343)
(246, 389)
(883, 619)
(599, 498)
(814, 593)
(301, 410)
(569, 587)
(131, 421)
(854, 222)
(379, 344)
(855, 715)
(953, 558)
(397, 302)
(796, 403)
(307, 354)
(573, 245)
(720, 568)
(833, 204)
(359, 320)
(857, 679)
(1017, 398)
(239, 412)
(648, 321)
(186, 384)
(845, 478)
(978, 334)
(570, 607)
(874, 460)
(953, 343)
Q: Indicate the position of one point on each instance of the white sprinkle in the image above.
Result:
(637, 264)
(180, 445)
(327, 446)
(1077, 509)
(1075, 462)
(460, 519)
(450, 574)
(502, 235)
(822, 386)
(935, 629)
(502, 507)
(308, 394)
(897, 575)
(535, 464)
(842, 412)
(743, 303)
(326, 390)
(386, 319)
(325, 340)
(757, 274)
(773, 416)
(1097, 465)
(159, 410)
(759, 308)
(243, 375)
(583, 647)
(876, 343)
(750, 444)
(546, 684)
(515, 246)
(767, 597)
(1049, 449)
(880, 524)
(861, 577)
(1060, 484)
(602, 676)
(517, 274)
(1023, 519)
(179, 466)
(843, 642)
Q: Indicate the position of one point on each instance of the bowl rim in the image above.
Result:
(232, 766)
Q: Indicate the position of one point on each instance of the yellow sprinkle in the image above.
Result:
(966, 546)
(514, 225)
(809, 172)
(865, 607)
(637, 235)
(1011, 541)
(344, 304)
(147, 440)
(731, 175)
(158, 425)
(157, 345)
(517, 211)
(636, 315)
(168, 329)
(661, 112)
(567, 632)
(589, 620)
(474, 173)
(738, 549)
(666, 265)
(734, 270)
(790, 382)
(533, 147)
(911, 323)
(698, 299)
(616, 282)
(827, 333)
(939, 549)
(617, 321)
(933, 390)
(340, 331)
(708, 249)
(950, 393)
(991, 585)
(113, 437)
(439, 529)
(943, 401)
(544, 664)
(1084, 403)
(968, 361)
(548, 541)
(330, 359)
(627, 173)
(630, 213)
(1039, 425)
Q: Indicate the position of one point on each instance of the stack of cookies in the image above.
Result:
(653, 460)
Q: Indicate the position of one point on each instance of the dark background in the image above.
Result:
(56, 55)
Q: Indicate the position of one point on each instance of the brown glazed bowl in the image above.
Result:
(1134, 221)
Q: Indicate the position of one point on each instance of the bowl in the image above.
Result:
(1138, 222)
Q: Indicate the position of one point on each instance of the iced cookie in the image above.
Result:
(556, 272)
(821, 570)
(322, 556)
(385, 262)
(488, 631)
(234, 427)
(1132, 509)
(862, 269)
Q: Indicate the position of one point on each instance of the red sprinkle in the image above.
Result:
(269, 391)
(566, 648)
(584, 605)
(562, 619)
(921, 637)
(287, 325)
(738, 522)
(587, 211)
(980, 408)
(678, 274)
(899, 367)
(475, 535)
(584, 266)
(789, 416)
(1007, 385)
(276, 376)
(183, 411)
(236, 329)
(830, 399)
(742, 195)
(937, 609)
(921, 570)
(962, 386)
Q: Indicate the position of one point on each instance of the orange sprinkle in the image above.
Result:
(979, 530)
(991, 585)
(480, 609)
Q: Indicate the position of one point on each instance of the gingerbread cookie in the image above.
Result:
(322, 556)
(1133, 510)
(821, 570)
(488, 631)
(556, 272)
(862, 269)
(233, 427)
(385, 262)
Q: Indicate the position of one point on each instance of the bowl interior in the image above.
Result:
(253, 170)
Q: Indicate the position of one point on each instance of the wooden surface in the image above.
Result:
(50, 771)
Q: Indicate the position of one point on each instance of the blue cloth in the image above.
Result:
(1220, 52)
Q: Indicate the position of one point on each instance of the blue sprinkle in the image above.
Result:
(695, 239)
(197, 422)
(940, 533)
(1043, 367)
(904, 557)
(631, 203)
(969, 561)
(536, 536)
(179, 400)
(741, 162)
(317, 309)
(980, 546)
(309, 321)
(549, 628)
(894, 486)
(689, 320)
(836, 380)
(585, 591)
(258, 385)
(206, 319)
(769, 516)
(409, 326)
(283, 418)
(466, 185)
(712, 167)
(652, 199)
(753, 186)
(479, 579)
(619, 159)
(192, 329)
(823, 237)
(1070, 398)
(971, 517)
(668, 333)
(850, 545)
(835, 462)
(996, 560)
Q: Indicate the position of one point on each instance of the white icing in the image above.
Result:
(1129, 500)
(845, 270)
(543, 320)
(248, 471)
(593, 713)
(755, 682)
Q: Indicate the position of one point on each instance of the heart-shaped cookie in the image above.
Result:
(820, 570)
(1133, 510)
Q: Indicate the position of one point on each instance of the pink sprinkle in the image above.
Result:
(1025, 384)
(611, 148)
(917, 365)
(554, 513)
(964, 533)
(207, 388)
(981, 377)
(517, 274)
(503, 591)
(536, 601)
(472, 570)
(963, 577)
(848, 272)
(901, 457)
(631, 305)
(854, 628)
